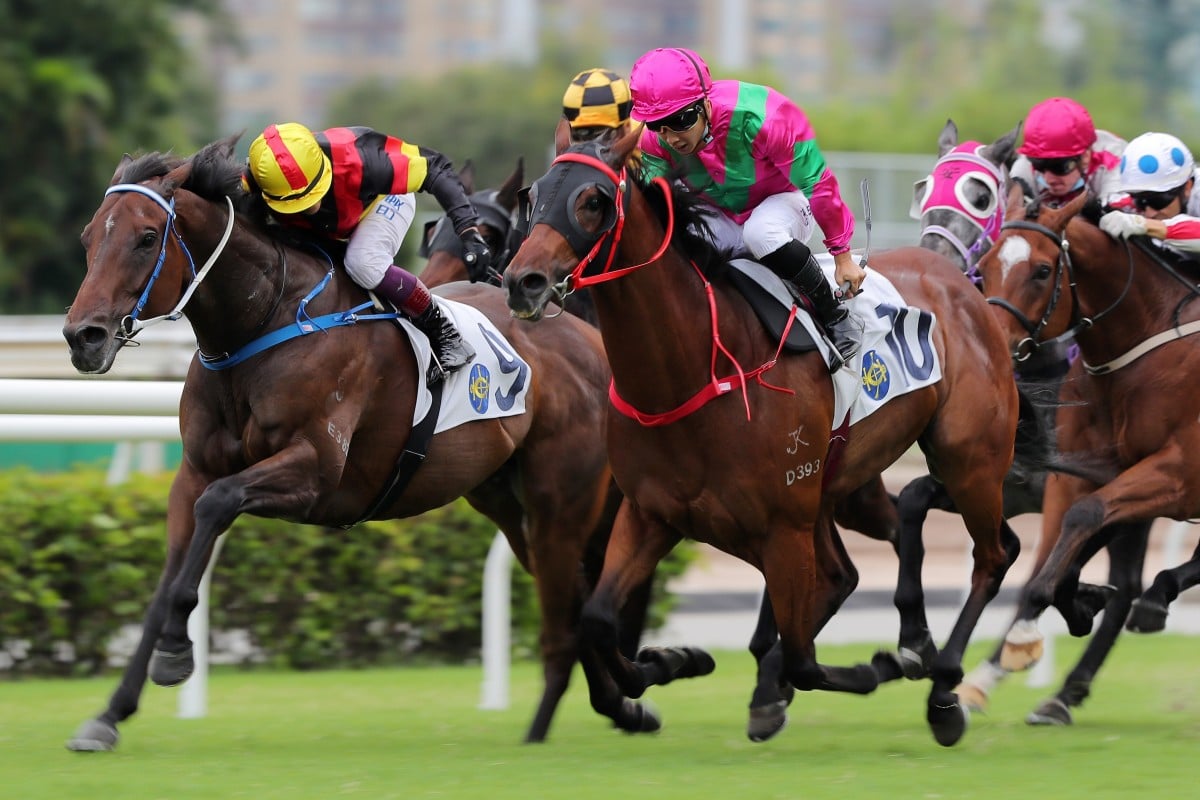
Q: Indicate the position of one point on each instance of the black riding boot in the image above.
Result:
(450, 350)
(802, 275)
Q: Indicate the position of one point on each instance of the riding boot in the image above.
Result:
(406, 292)
(809, 281)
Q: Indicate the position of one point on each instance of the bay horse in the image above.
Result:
(750, 474)
(311, 428)
(961, 205)
(1132, 447)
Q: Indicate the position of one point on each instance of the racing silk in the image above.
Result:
(367, 164)
(760, 144)
(1183, 230)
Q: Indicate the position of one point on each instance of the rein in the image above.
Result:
(131, 325)
(612, 237)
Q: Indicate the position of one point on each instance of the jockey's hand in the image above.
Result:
(1120, 225)
(847, 270)
(476, 254)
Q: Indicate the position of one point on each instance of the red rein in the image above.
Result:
(716, 386)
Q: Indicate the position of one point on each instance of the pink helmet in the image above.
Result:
(667, 80)
(1058, 128)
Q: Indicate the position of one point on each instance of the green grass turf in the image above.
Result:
(416, 733)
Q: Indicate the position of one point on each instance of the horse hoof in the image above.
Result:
(766, 721)
(94, 736)
(972, 697)
(1146, 617)
(948, 723)
(638, 718)
(171, 669)
(677, 662)
(1050, 712)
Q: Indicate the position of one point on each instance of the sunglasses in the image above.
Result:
(679, 122)
(1055, 166)
(1154, 200)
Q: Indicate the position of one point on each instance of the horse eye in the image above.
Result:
(1042, 272)
(593, 203)
(148, 238)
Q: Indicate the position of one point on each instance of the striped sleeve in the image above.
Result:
(1183, 233)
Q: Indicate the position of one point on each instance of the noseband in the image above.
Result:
(1029, 345)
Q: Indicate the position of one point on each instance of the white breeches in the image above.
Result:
(374, 243)
(775, 222)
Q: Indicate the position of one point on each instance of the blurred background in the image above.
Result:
(83, 81)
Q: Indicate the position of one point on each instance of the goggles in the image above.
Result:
(1055, 166)
(1153, 200)
(679, 122)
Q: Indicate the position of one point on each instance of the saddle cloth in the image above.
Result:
(493, 385)
(896, 356)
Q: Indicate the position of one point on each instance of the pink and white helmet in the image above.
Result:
(1058, 127)
(666, 80)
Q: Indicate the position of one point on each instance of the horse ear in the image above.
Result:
(624, 145)
(466, 176)
(174, 179)
(126, 160)
(506, 195)
(948, 139)
(1015, 208)
(1002, 151)
(562, 136)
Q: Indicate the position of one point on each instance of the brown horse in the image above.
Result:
(692, 464)
(962, 206)
(311, 428)
(1133, 448)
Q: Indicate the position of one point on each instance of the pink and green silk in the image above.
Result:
(761, 145)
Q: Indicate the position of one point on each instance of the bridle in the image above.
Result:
(1079, 323)
(132, 324)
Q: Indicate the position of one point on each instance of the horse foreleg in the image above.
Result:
(281, 486)
(1126, 556)
(636, 546)
(772, 693)
(946, 716)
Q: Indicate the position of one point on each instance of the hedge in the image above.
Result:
(80, 561)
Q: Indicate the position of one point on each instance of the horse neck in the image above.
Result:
(655, 320)
(1116, 286)
(247, 291)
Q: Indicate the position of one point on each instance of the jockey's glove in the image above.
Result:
(1120, 225)
(476, 254)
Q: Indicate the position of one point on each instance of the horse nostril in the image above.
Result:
(534, 284)
(86, 336)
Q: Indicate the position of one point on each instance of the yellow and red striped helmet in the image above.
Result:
(290, 168)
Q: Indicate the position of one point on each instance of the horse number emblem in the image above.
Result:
(875, 377)
(481, 388)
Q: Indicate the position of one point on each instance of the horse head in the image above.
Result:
(960, 203)
(163, 223)
(1029, 275)
(441, 245)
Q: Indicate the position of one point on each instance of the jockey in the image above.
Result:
(1159, 174)
(356, 185)
(752, 153)
(1063, 154)
(596, 101)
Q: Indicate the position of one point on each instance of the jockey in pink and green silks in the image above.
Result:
(752, 153)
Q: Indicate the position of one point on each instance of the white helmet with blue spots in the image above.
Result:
(1155, 162)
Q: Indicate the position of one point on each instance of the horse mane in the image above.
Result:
(691, 232)
(149, 165)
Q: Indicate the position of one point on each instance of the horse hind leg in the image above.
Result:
(1149, 613)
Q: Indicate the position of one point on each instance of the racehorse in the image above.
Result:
(692, 464)
(1132, 447)
(961, 205)
(314, 430)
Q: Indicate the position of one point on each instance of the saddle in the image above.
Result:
(771, 301)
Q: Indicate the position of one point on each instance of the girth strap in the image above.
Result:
(413, 456)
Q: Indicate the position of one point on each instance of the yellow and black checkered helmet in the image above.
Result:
(597, 98)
